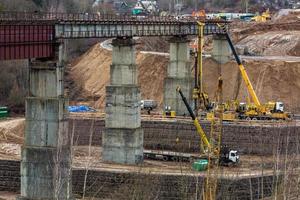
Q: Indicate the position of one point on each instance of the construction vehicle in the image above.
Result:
(168, 112)
(265, 16)
(198, 93)
(223, 154)
(255, 110)
(148, 105)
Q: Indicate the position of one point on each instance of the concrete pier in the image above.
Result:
(221, 51)
(178, 74)
(122, 140)
(46, 160)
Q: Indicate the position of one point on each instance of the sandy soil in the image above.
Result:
(90, 157)
(12, 130)
(91, 72)
(275, 43)
(7, 195)
(280, 36)
(272, 80)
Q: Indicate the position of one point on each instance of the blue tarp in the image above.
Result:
(80, 108)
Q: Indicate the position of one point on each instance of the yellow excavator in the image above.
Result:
(255, 110)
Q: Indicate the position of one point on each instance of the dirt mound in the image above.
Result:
(12, 131)
(278, 37)
(272, 80)
(285, 22)
(158, 44)
(287, 15)
(274, 43)
(91, 73)
(11, 138)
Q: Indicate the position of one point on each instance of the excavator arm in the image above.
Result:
(243, 71)
(196, 122)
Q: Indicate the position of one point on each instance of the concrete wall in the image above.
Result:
(248, 139)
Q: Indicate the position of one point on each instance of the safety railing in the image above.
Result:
(89, 17)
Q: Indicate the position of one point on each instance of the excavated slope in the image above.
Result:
(273, 80)
(91, 73)
(278, 37)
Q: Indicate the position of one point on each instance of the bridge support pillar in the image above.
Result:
(122, 140)
(46, 154)
(178, 74)
(221, 51)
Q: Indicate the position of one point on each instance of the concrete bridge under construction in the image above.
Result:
(46, 160)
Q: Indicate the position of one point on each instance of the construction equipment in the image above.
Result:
(198, 93)
(215, 155)
(168, 112)
(255, 110)
(265, 16)
(148, 105)
(224, 155)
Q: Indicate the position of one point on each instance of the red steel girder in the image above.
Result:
(26, 41)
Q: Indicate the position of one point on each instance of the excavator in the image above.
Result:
(256, 110)
(223, 154)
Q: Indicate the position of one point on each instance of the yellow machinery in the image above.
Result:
(216, 154)
(265, 16)
(198, 93)
(168, 112)
(256, 110)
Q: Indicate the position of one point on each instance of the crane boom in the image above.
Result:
(243, 72)
(196, 122)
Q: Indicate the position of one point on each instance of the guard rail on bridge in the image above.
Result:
(93, 25)
(32, 35)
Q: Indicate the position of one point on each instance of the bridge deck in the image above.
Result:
(81, 25)
(33, 35)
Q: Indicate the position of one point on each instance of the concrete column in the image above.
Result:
(178, 74)
(46, 161)
(221, 51)
(122, 140)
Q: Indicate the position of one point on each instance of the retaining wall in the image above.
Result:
(260, 139)
(121, 185)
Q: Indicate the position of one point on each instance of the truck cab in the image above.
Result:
(279, 107)
(228, 156)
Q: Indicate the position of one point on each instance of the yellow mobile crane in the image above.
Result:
(270, 110)
(224, 154)
(216, 154)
